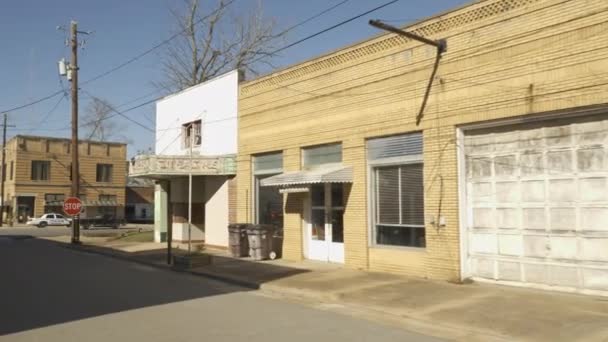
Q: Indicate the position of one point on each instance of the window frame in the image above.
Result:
(372, 165)
(40, 162)
(110, 173)
(255, 183)
(188, 129)
(306, 149)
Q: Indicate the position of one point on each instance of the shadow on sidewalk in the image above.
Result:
(44, 284)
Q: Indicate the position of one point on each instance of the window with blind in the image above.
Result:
(267, 200)
(397, 190)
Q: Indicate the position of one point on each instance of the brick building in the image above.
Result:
(139, 203)
(504, 179)
(38, 176)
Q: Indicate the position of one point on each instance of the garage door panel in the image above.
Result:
(534, 218)
(509, 271)
(538, 203)
(535, 246)
(592, 160)
(533, 191)
(507, 192)
(596, 279)
(559, 162)
(593, 189)
(595, 249)
(562, 190)
(563, 247)
(510, 245)
(564, 276)
(563, 219)
(508, 218)
(594, 219)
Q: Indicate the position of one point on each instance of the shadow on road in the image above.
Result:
(44, 284)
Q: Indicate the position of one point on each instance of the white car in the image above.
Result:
(50, 219)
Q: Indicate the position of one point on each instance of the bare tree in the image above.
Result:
(99, 123)
(214, 41)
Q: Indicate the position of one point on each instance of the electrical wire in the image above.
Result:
(325, 30)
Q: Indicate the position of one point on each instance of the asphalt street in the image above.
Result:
(53, 293)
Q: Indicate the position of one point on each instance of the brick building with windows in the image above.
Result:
(502, 178)
(38, 176)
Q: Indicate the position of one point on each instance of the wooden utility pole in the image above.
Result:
(4, 125)
(75, 168)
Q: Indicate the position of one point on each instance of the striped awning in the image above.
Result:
(87, 203)
(334, 174)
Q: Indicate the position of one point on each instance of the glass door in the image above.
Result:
(326, 226)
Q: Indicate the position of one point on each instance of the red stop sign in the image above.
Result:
(72, 206)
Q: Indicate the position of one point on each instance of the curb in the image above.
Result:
(116, 255)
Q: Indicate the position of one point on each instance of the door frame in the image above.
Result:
(328, 231)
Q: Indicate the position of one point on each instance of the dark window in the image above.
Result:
(269, 203)
(4, 172)
(41, 170)
(12, 169)
(104, 173)
(191, 134)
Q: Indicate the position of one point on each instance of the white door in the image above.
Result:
(326, 225)
(537, 204)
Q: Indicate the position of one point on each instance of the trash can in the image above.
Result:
(260, 240)
(276, 249)
(237, 240)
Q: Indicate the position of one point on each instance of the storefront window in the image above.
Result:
(398, 190)
(267, 200)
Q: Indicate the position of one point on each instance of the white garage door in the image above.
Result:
(537, 204)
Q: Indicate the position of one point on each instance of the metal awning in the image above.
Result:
(86, 203)
(337, 174)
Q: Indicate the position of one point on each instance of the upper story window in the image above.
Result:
(320, 155)
(41, 170)
(191, 134)
(104, 173)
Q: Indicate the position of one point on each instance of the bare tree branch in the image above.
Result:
(99, 124)
(222, 42)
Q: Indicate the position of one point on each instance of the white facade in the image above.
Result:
(536, 204)
(214, 103)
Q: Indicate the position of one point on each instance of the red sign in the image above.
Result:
(72, 206)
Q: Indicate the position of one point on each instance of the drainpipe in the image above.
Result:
(190, 192)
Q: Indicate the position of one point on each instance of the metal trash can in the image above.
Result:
(260, 240)
(237, 240)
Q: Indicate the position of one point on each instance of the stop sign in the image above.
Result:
(72, 206)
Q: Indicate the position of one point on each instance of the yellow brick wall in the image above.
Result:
(505, 58)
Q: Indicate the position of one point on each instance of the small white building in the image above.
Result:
(196, 133)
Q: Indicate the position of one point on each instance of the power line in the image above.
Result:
(117, 113)
(325, 30)
(137, 57)
(305, 21)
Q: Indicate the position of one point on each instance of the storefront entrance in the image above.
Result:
(325, 228)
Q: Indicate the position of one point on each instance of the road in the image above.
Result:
(65, 231)
(53, 293)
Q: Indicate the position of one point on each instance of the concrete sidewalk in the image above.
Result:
(460, 312)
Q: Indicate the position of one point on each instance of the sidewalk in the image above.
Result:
(472, 312)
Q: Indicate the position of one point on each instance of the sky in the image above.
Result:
(122, 29)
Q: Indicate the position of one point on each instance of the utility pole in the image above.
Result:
(4, 125)
(75, 168)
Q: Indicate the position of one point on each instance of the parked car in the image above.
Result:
(101, 221)
(50, 219)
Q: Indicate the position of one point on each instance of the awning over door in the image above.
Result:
(337, 174)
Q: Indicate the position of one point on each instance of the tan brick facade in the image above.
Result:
(505, 58)
(22, 150)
